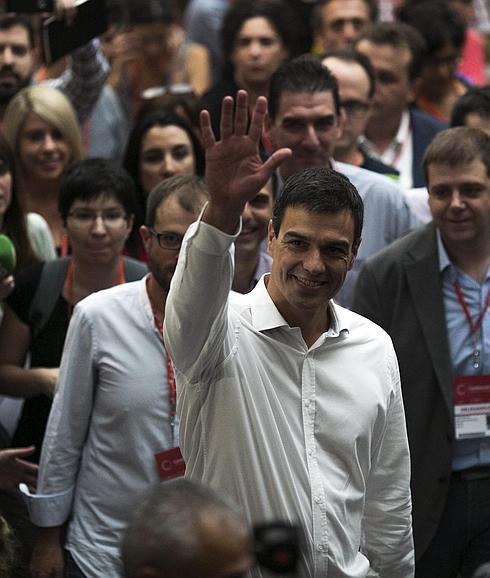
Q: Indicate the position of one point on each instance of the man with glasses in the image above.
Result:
(356, 79)
(112, 425)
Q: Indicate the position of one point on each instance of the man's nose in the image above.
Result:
(7, 56)
(313, 261)
(311, 137)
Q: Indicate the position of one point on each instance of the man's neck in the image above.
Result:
(246, 263)
(350, 156)
(473, 260)
(382, 131)
(158, 296)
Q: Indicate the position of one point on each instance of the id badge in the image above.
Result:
(472, 406)
(170, 464)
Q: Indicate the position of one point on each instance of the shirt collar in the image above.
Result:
(265, 314)
(444, 261)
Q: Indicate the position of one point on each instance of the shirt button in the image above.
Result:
(319, 547)
(318, 499)
(307, 403)
(310, 452)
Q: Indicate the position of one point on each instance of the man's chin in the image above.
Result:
(9, 90)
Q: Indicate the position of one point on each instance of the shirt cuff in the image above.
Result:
(209, 239)
(48, 510)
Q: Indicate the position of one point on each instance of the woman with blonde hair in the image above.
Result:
(42, 129)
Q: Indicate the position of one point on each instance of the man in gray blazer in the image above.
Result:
(430, 291)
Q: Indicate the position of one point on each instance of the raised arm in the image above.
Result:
(196, 319)
(234, 170)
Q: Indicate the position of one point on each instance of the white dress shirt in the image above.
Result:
(314, 436)
(110, 415)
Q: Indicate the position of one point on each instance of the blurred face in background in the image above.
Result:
(341, 23)
(258, 52)
(43, 150)
(354, 88)
(165, 151)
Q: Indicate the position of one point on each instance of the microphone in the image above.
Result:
(483, 571)
(7, 257)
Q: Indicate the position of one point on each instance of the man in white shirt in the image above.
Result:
(289, 404)
(112, 428)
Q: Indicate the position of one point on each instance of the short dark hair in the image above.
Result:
(8, 21)
(91, 178)
(302, 74)
(399, 35)
(353, 56)
(457, 147)
(320, 190)
(437, 22)
(191, 192)
(316, 15)
(477, 100)
(164, 532)
(276, 12)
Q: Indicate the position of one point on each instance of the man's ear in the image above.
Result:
(355, 249)
(146, 236)
(271, 236)
(267, 130)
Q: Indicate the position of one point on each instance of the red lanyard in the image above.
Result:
(474, 326)
(69, 284)
(172, 389)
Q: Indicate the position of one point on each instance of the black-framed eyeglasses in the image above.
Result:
(168, 239)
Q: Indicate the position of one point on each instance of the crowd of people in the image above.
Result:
(251, 292)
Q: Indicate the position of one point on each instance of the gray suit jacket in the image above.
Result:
(400, 290)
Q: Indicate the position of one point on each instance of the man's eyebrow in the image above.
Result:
(295, 235)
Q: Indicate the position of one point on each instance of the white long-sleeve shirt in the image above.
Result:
(315, 436)
(110, 415)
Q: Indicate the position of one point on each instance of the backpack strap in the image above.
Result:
(47, 293)
(51, 285)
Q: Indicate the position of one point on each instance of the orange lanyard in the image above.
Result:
(172, 388)
(69, 284)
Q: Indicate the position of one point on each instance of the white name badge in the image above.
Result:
(472, 406)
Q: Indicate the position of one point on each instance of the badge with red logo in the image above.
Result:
(472, 406)
(170, 464)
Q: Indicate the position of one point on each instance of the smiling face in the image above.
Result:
(165, 151)
(98, 240)
(459, 200)
(308, 124)
(42, 149)
(312, 254)
(258, 52)
(255, 222)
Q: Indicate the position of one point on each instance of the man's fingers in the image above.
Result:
(277, 159)
(207, 134)
(226, 120)
(257, 122)
(241, 113)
